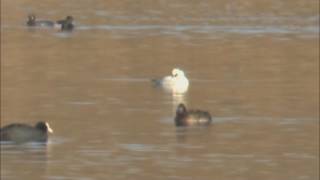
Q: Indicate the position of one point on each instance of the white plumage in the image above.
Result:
(176, 83)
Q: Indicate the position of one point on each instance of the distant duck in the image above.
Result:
(32, 22)
(186, 117)
(22, 133)
(177, 82)
(66, 24)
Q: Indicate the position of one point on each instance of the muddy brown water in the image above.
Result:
(253, 64)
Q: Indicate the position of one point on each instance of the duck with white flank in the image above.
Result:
(32, 22)
(66, 24)
(186, 117)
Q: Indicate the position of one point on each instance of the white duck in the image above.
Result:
(176, 83)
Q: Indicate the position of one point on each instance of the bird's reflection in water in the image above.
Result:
(186, 134)
(24, 161)
(177, 99)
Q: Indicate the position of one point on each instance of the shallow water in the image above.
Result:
(253, 64)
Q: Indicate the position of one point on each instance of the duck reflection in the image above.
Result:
(23, 161)
(178, 99)
(192, 134)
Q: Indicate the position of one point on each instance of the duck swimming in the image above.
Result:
(177, 82)
(21, 133)
(186, 117)
(66, 24)
(32, 22)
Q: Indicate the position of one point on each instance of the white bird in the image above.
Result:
(176, 83)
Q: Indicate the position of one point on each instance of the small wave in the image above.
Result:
(81, 103)
(138, 147)
(127, 79)
(234, 29)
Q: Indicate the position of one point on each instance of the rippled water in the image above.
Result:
(253, 64)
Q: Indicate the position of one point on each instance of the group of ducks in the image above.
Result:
(22, 133)
(65, 24)
(177, 83)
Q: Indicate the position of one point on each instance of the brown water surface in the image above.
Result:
(253, 64)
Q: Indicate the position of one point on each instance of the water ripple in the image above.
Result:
(234, 29)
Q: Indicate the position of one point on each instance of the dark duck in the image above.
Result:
(32, 22)
(22, 133)
(66, 24)
(185, 117)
